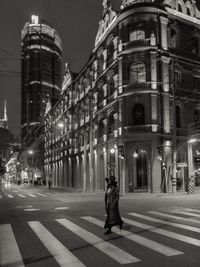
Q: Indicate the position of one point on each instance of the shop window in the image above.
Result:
(137, 73)
(138, 115)
(141, 169)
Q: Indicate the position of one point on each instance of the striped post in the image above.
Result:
(191, 186)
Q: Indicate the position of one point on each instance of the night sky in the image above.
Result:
(75, 20)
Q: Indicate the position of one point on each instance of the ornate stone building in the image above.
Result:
(127, 112)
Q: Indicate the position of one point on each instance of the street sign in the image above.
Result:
(182, 164)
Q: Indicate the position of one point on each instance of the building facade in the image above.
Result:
(41, 71)
(127, 112)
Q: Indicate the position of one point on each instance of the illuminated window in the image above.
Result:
(136, 34)
(137, 73)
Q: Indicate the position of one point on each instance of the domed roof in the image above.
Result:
(6, 137)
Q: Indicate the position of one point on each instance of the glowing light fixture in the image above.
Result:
(192, 141)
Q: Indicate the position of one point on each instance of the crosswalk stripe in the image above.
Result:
(9, 251)
(112, 251)
(40, 194)
(10, 196)
(156, 246)
(178, 225)
(180, 237)
(165, 215)
(61, 254)
(192, 210)
(31, 195)
(20, 195)
(185, 213)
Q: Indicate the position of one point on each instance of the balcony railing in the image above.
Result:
(137, 129)
(136, 43)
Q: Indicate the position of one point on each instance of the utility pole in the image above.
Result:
(174, 152)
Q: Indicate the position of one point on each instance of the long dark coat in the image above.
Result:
(112, 207)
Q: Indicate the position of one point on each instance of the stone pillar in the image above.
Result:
(165, 95)
(153, 70)
(164, 34)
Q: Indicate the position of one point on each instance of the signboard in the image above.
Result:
(182, 164)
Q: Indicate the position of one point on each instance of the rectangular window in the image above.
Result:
(196, 83)
(136, 33)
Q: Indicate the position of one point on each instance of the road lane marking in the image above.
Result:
(31, 209)
(173, 235)
(178, 225)
(9, 251)
(10, 196)
(61, 208)
(61, 254)
(20, 195)
(31, 195)
(112, 251)
(156, 246)
(165, 215)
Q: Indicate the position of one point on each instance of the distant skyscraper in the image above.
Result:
(4, 121)
(41, 71)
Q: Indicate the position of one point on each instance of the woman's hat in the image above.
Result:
(112, 178)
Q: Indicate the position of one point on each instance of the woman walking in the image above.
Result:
(112, 205)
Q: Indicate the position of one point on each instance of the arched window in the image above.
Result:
(179, 8)
(137, 73)
(111, 124)
(178, 116)
(173, 38)
(138, 115)
(188, 11)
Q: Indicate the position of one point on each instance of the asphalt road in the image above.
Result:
(41, 227)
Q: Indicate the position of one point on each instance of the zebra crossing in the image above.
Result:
(23, 195)
(90, 230)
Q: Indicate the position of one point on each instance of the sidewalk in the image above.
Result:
(143, 195)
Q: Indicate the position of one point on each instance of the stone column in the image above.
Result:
(164, 35)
